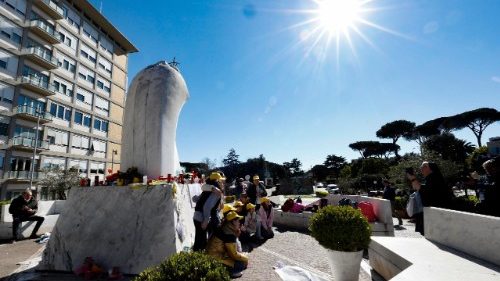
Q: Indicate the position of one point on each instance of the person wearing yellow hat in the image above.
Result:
(255, 191)
(251, 228)
(266, 217)
(227, 208)
(208, 205)
(223, 245)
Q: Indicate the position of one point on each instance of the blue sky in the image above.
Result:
(256, 88)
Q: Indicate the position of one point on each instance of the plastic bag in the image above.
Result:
(414, 205)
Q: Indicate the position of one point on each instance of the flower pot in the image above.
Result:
(345, 265)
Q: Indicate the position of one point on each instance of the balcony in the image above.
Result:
(45, 31)
(51, 8)
(41, 57)
(22, 143)
(30, 113)
(21, 176)
(36, 84)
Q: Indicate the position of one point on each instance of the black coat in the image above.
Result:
(435, 192)
(18, 205)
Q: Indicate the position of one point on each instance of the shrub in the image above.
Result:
(321, 194)
(465, 203)
(186, 266)
(341, 228)
(400, 202)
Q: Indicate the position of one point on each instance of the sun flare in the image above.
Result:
(337, 16)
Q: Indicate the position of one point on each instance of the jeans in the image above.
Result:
(17, 220)
(238, 267)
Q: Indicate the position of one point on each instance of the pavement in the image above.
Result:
(17, 261)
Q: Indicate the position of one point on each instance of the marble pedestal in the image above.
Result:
(120, 226)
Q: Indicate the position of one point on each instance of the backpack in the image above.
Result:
(348, 202)
(367, 210)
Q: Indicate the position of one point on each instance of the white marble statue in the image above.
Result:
(154, 101)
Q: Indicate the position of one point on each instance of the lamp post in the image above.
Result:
(113, 153)
(32, 168)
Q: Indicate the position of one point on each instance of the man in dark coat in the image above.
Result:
(24, 208)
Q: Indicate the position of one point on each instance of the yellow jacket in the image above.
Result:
(222, 246)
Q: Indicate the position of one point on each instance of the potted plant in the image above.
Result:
(345, 233)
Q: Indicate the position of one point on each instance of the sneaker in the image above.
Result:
(236, 275)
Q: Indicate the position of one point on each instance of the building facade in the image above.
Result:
(63, 77)
(493, 146)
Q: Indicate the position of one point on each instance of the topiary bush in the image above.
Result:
(321, 194)
(340, 228)
(186, 266)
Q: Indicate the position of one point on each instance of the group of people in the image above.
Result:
(220, 228)
(434, 192)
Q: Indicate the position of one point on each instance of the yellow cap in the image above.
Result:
(250, 206)
(217, 176)
(232, 215)
(228, 208)
(265, 199)
(237, 204)
(256, 177)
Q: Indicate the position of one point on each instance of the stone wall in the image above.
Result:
(120, 226)
(476, 235)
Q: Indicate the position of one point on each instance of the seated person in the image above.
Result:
(251, 228)
(24, 208)
(222, 245)
(266, 218)
(293, 207)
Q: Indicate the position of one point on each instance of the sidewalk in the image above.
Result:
(287, 247)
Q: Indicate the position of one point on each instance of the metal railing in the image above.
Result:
(26, 109)
(30, 142)
(54, 6)
(42, 53)
(37, 81)
(21, 175)
(48, 28)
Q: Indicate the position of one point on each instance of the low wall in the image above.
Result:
(50, 210)
(474, 234)
(120, 226)
(382, 208)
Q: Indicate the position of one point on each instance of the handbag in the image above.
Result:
(414, 205)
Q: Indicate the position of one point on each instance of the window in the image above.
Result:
(90, 32)
(82, 119)
(88, 53)
(106, 45)
(80, 142)
(6, 93)
(53, 162)
(4, 129)
(102, 105)
(71, 17)
(30, 102)
(81, 165)
(104, 64)
(36, 76)
(19, 6)
(104, 84)
(96, 168)
(60, 111)
(84, 96)
(98, 146)
(2, 157)
(25, 132)
(86, 74)
(3, 63)
(58, 137)
(100, 125)
(67, 39)
(62, 87)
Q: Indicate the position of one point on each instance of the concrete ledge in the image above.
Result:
(50, 210)
(382, 208)
(420, 259)
(474, 234)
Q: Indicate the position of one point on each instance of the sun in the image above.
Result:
(336, 16)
